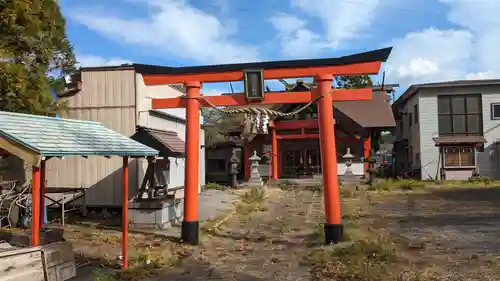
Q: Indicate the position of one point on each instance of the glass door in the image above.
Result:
(313, 161)
(292, 160)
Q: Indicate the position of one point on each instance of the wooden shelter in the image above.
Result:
(36, 139)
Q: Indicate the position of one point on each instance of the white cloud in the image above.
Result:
(478, 76)
(418, 67)
(296, 40)
(466, 52)
(429, 55)
(342, 21)
(174, 28)
(90, 60)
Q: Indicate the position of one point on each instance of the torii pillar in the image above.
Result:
(190, 224)
(333, 226)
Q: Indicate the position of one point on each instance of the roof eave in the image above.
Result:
(19, 142)
(370, 56)
(405, 96)
(103, 154)
(107, 68)
(451, 84)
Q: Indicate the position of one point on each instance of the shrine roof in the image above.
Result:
(166, 142)
(374, 113)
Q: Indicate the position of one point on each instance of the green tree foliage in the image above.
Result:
(35, 54)
(353, 82)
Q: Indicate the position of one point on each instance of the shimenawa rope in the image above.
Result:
(261, 110)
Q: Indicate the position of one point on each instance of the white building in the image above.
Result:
(448, 129)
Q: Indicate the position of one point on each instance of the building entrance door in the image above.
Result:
(292, 161)
(300, 158)
(313, 161)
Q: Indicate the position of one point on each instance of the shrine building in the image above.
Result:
(358, 125)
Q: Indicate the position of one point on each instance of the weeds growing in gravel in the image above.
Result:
(362, 261)
(399, 184)
(212, 185)
(251, 201)
(314, 187)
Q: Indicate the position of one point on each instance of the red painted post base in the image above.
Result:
(190, 232)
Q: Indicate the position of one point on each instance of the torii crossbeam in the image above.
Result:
(322, 70)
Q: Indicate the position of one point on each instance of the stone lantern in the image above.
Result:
(255, 178)
(234, 169)
(372, 170)
(348, 157)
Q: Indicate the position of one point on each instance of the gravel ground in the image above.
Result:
(458, 229)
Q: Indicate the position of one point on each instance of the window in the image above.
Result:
(459, 156)
(415, 111)
(495, 111)
(460, 115)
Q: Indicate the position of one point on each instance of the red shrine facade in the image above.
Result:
(358, 125)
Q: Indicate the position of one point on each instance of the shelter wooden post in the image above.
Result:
(274, 154)
(35, 206)
(43, 186)
(333, 227)
(125, 214)
(190, 225)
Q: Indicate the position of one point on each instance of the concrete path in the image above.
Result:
(214, 203)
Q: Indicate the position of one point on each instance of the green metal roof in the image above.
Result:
(49, 136)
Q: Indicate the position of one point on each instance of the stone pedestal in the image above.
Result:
(156, 214)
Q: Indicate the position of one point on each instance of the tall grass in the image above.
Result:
(398, 184)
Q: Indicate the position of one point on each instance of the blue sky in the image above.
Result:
(433, 40)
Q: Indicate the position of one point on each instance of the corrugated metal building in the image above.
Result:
(118, 98)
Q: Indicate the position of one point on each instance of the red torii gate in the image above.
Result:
(321, 69)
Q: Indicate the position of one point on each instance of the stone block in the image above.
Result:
(156, 214)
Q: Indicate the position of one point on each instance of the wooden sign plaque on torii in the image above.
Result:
(322, 70)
